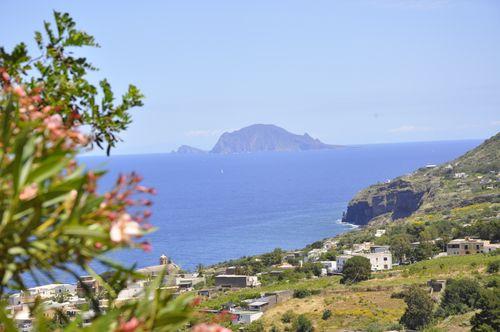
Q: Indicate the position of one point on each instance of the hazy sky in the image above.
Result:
(347, 72)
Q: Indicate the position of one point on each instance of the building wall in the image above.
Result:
(231, 281)
(464, 248)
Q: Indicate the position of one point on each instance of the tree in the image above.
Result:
(401, 247)
(327, 313)
(303, 324)
(272, 258)
(419, 309)
(330, 255)
(356, 269)
(311, 268)
(488, 319)
(460, 296)
(199, 269)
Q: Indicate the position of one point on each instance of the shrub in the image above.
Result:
(493, 267)
(356, 269)
(419, 309)
(302, 293)
(327, 313)
(303, 324)
(311, 269)
(288, 316)
(460, 296)
(488, 319)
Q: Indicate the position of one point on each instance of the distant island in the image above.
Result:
(262, 137)
(186, 149)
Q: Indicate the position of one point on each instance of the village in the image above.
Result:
(72, 299)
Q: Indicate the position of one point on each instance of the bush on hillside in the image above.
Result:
(460, 296)
(488, 319)
(288, 316)
(303, 324)
(356, 269)
(419, 309)
(302, 293)
(493, 267)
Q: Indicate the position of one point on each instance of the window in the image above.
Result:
(385, 258)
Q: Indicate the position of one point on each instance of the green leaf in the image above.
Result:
(49, 167)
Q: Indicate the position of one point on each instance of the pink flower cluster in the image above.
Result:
(32, 108)
(126, 226)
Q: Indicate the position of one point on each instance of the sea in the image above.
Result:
(211, 208)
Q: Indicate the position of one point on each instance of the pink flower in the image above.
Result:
(18, 90)
(5, 76)
(129, 326)
(124, 229)
(53, 122)
(29, 192)
(210, 328)
(142, 189)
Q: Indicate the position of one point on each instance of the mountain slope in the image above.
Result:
(261, 137)
(469, 179)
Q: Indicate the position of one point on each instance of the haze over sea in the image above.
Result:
(210, 208)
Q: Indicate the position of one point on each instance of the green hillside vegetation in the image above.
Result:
(371, 305)
(469, 179)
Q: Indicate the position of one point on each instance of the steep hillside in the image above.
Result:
(261, 137)
(469, 179)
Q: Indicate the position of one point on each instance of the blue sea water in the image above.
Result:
(211, 208)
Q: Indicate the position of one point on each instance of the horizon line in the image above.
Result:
(340, 146)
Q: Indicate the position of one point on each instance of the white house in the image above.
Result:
(42, 292)
(329, 266)
(489, 247)
(245, 316)
(379, 261)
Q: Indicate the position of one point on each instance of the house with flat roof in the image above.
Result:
(245, 316)
(470, 246)
(489, 247)
(236, 281)
(465, 246)
(262, 303)
(379, 261)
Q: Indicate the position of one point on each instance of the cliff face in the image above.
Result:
(262, 137)
(397, 199)
(472, 178)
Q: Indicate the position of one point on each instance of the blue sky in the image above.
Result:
(348, 72)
